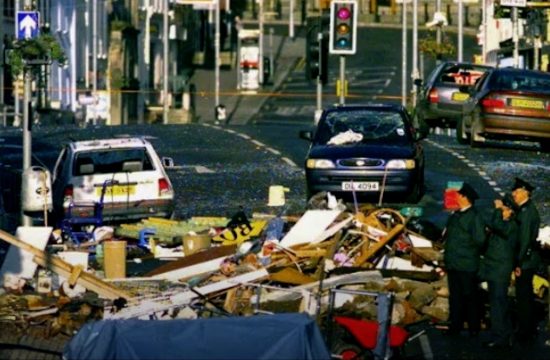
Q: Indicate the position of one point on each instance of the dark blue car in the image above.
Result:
(369, 150)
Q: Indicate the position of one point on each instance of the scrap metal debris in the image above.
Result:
(238, 266)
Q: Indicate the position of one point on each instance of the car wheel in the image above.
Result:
(461, 134)
(476, 139)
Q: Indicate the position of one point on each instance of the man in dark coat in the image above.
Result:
(497, 266)
(528, 258)
(464, 238)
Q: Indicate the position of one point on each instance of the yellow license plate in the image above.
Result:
(460, 96)
(118, 190)
(525, 103)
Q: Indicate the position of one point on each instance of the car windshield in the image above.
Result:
(457, 74)
(111, 161)
(357, 126)
(521, 81)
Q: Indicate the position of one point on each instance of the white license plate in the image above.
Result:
(360, 186)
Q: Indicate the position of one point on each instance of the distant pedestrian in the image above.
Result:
(528, 258)
(464, 238)
(496, 268)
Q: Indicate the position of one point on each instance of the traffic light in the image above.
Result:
(317, 49)
(343, 27)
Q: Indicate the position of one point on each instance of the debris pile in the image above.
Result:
(215, 266)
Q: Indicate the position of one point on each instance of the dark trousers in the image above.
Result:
(501, 325)
(525, 300)
(464, 300)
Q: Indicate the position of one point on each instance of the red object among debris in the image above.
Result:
(450, 199)
(366, 332)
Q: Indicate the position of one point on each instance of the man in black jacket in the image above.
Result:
(464, 238)
(528, 258)
(497, 266)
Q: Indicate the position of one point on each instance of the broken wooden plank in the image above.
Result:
(194, 264)
(65, 269)
(291, 276)
(365, 255)
(150, 307)
(311, 253)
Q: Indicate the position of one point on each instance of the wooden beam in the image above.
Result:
(65, 269)
(365, 255)
(291, 276)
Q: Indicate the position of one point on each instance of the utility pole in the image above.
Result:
(261, 42)
(404, 56)
(217, 54)
(94, 59)
(291, 20)
(319, 81)
(415, 74)
(515, 35)
(2, 49)
(438, 34)
(460, 29)
(484, 28)
(165, 45)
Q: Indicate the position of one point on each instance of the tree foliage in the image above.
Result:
(432, 48)
(44, 47)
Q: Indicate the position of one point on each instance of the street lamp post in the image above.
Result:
(460, 30)
(404, 55)
(415, 74)
(165, 45)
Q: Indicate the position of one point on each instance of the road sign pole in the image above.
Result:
(27, 140)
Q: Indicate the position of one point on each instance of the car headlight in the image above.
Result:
(319, 164)
(401, 164)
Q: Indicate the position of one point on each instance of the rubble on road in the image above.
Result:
(236, 266)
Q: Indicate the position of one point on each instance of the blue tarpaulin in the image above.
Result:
(278, 336)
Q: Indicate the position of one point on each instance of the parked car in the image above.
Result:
(140, 186)
(366, 149)
(439, 101)
(507, 103)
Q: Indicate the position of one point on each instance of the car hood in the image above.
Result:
(362, 151)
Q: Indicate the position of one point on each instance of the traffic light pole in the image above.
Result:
(342, 79)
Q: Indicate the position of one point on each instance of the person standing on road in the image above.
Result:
(464, 238)
(528, 258)
(496, 268)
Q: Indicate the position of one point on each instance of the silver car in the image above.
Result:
(138, 186)
(440, 101)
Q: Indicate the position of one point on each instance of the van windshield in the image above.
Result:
(111, 161)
